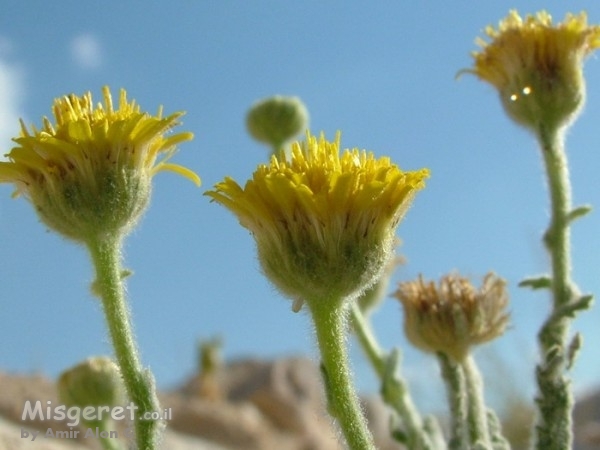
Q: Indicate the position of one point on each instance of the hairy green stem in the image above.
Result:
(394, 390)
(107, 443)
(367, 340)
(477, 417)
(330, 320)
(454, 378)
(554, 399)
(557, 236)
(139, 383)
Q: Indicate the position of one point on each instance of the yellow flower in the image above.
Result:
(537, 66)
(323, 222)
(453, 316)
(89, 174)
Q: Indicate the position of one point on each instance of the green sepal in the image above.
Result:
(578, 212)
(541, 282)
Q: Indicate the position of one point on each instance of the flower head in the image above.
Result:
(323, 222)
(89, 174)
(537, 66)
(453, 316)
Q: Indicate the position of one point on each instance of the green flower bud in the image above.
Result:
(95, 382)
(276, 120)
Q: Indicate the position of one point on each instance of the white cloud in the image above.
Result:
(11, 94)
(86, 51)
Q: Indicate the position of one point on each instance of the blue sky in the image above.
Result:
(384, 74)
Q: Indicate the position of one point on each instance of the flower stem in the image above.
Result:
(107, 443)
(454, 379)
(554, 400)
(477, 418)
(394, 390)
(139, 383)
(330, 320)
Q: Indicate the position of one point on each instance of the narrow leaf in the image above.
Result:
(542, 282)
(578, 212)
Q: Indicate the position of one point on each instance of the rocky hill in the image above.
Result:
(251, 405)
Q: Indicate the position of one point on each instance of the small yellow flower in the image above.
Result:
(89, 174)
(453, 316)
(324, 223)
(537, 66)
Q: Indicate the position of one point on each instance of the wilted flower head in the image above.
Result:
(537, 66)
(453, 316)
(324, 223)
(89, 174)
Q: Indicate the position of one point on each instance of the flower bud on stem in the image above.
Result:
(96, 382)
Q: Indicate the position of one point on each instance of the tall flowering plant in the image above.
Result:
(536, 66)
(324, 223)
(89, 176)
